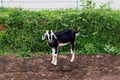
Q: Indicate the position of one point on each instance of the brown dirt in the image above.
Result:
(2, 27)
(97, 67)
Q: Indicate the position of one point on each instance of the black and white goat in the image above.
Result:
(60, 39)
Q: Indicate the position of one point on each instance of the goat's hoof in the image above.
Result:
(55, 64)
(71, 61)
(52, 62)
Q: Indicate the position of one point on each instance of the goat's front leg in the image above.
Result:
(54, 56)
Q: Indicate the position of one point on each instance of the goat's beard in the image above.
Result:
(50, 41)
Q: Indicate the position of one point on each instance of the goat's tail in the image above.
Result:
(76, 33)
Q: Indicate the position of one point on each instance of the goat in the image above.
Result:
(61, 38)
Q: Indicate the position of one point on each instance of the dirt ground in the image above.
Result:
(96, 67)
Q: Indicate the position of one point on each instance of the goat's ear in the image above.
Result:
(55, 36)
(43, 37)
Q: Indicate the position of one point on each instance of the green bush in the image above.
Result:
(98, 28)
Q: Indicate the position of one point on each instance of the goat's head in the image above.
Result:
(50, 36)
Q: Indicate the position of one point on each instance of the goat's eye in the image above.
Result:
(52, 36)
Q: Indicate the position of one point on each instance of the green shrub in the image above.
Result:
(25, 28)
(110, 49)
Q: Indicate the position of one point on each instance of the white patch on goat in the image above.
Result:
(48, 35)
(44, 36)
(77, 34)
(53, 52)
(53, 34)
(71, 51)
(54, 57)
(73, 55)
(63, 44)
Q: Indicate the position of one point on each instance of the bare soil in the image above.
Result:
(95, 67)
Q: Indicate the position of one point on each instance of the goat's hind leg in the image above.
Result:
(72, 52)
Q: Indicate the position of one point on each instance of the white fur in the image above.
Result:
(73, 55)
(77, 34)
(54, 57)
(63, 44)
(44, 36)
(48, 35)
(53, 34)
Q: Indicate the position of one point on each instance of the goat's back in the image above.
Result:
(66, 35)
